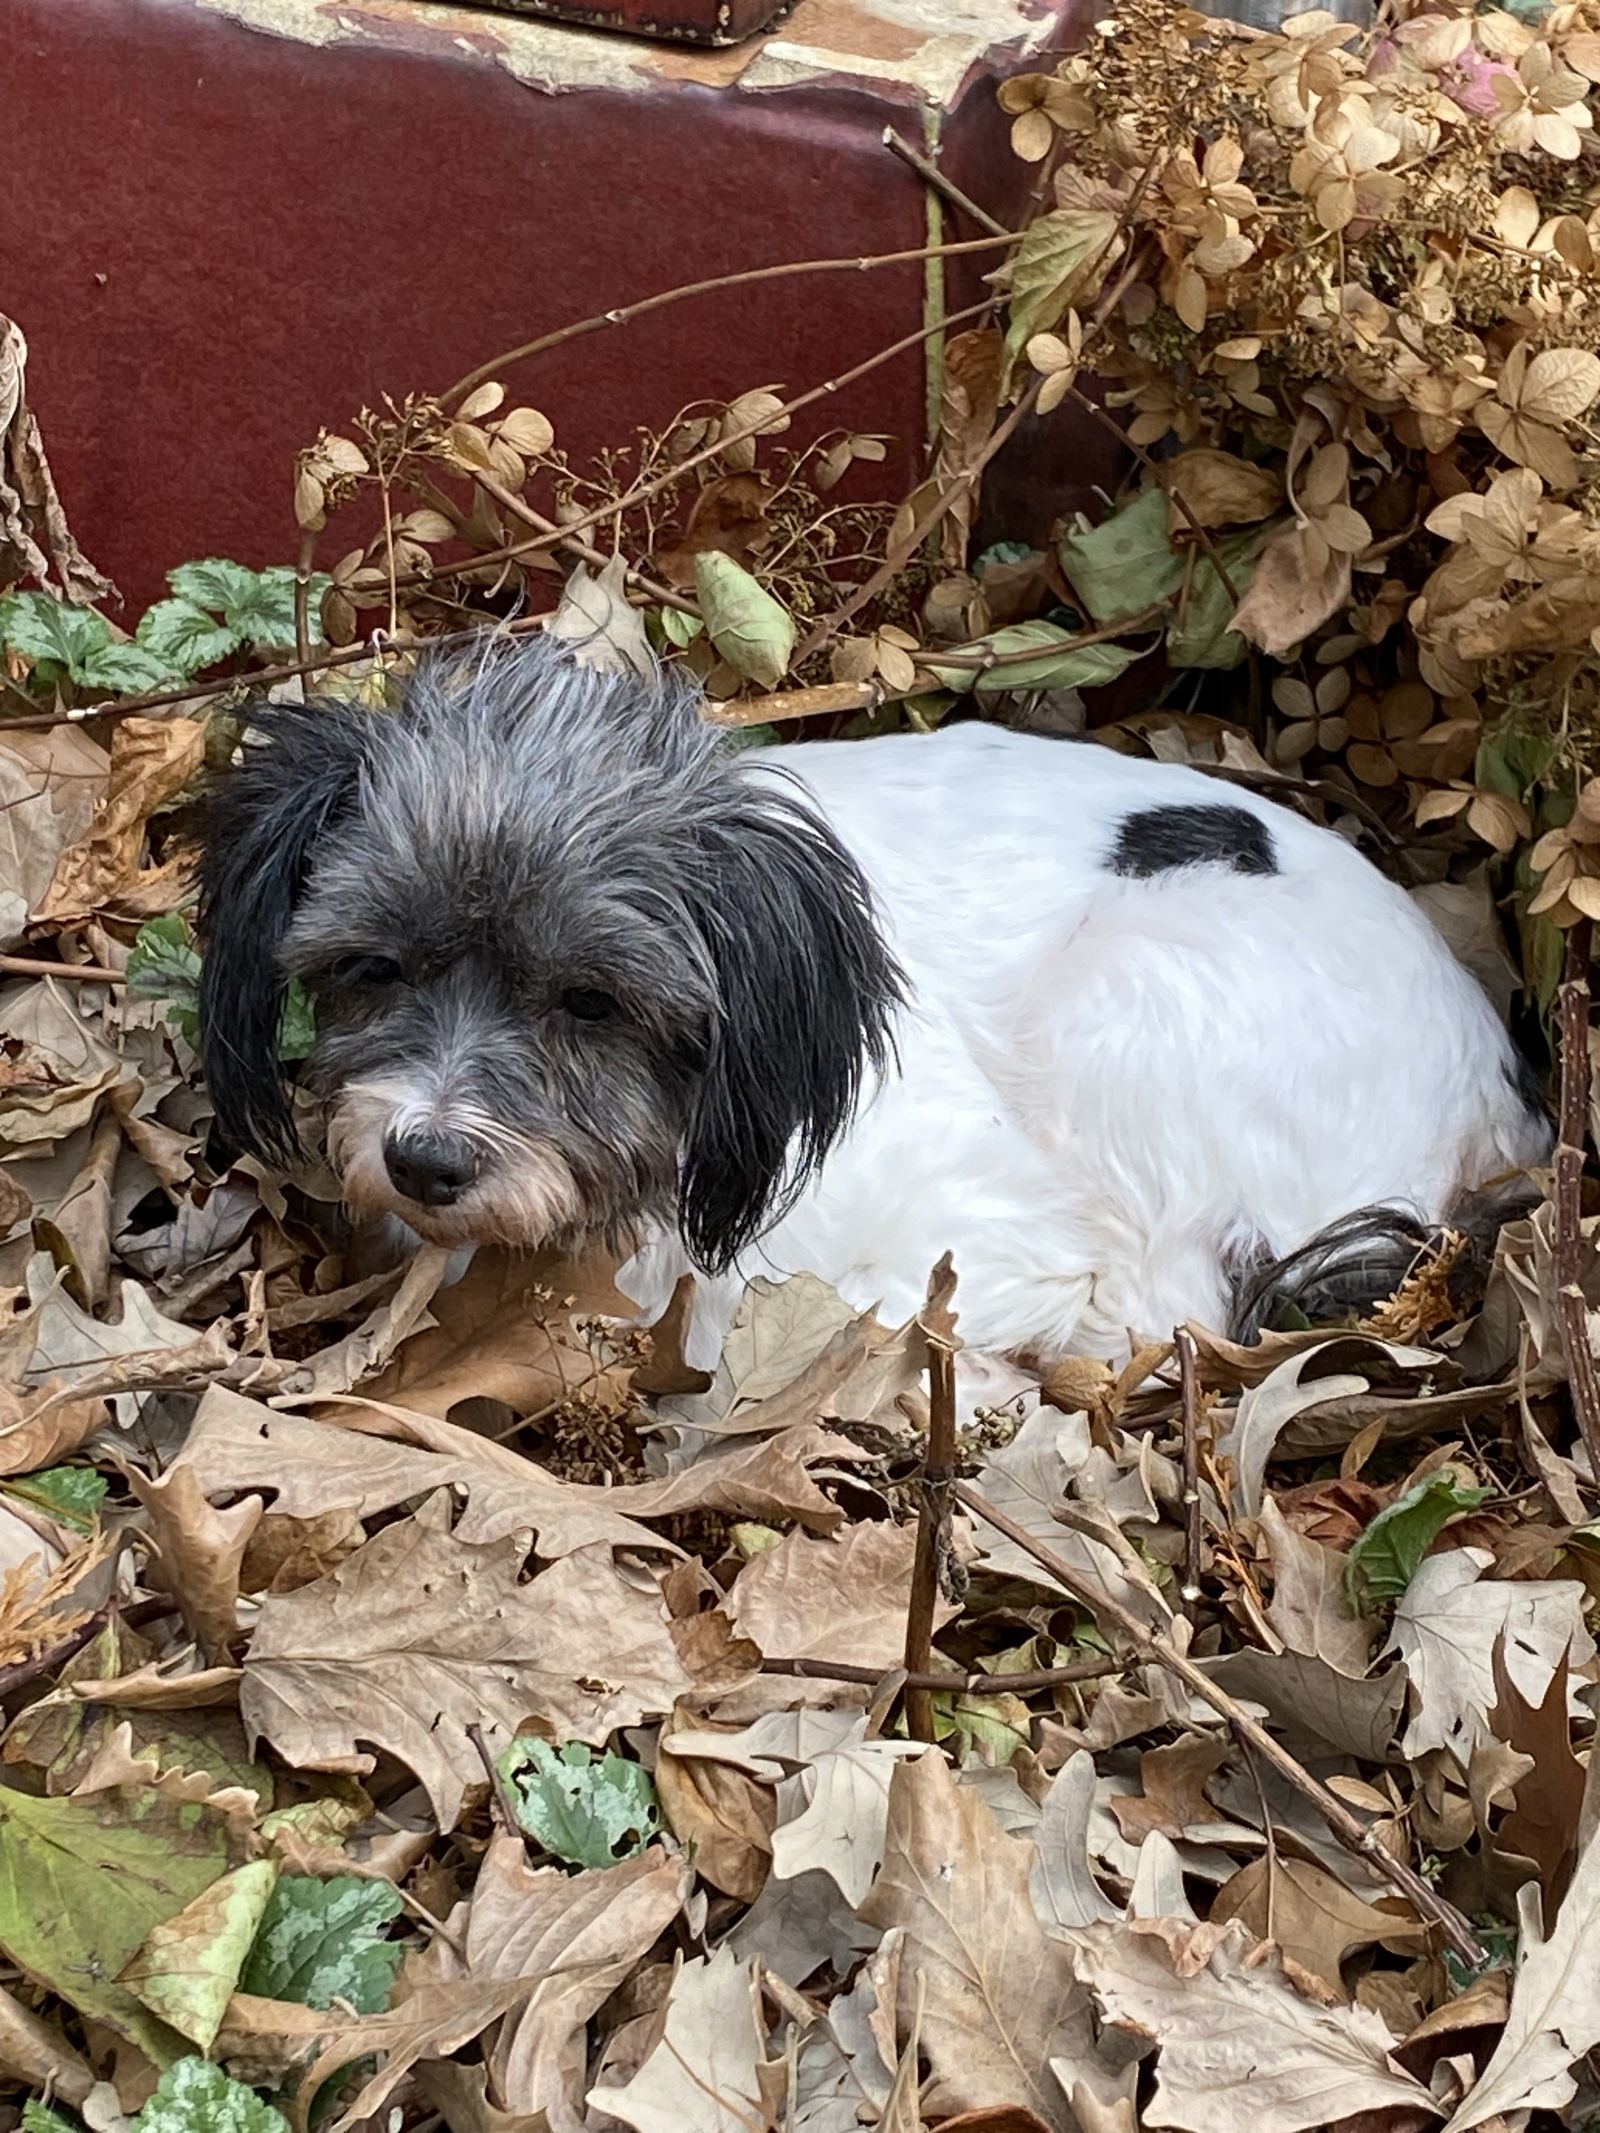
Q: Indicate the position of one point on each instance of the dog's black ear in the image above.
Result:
(259, 829)
(807, 993)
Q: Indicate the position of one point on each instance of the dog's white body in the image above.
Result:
(1110, 1088)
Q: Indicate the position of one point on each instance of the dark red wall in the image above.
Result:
(217, 241)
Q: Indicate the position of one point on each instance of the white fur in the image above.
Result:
(1106, 1085)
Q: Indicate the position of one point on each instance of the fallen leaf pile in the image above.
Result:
(425, 1702)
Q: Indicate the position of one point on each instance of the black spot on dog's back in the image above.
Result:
(1157, 839)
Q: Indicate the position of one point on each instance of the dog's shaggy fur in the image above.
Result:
(1109, 1034)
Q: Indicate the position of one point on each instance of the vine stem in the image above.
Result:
(1382, 1864)
(933, 1529)
(1573, 1017)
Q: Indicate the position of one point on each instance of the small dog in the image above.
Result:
(1113, 1037)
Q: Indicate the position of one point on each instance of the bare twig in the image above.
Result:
(1189, 1386)
(625, 314)
(502, 1796)
(982, 662)
(1382, 1864)
(897, 557)
(1574, 1023)
(933, 1532)
(642, 492)
(1026, 1684)
(1108, 301)
(33, 966)
(305, 563)
(832, 696)
(946, 188)
(560, 538)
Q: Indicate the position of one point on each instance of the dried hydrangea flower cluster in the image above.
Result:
(1364, 266)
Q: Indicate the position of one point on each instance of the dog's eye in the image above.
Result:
(586, 1004)
(369, 970)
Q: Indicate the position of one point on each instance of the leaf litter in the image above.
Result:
(430, 1700)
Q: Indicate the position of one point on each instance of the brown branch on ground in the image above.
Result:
(1189, 1392)
(1573, 1018)
(497, 1784)
(33, 966)
(1025, 1684)
(1353, 1834)
(933, 1535)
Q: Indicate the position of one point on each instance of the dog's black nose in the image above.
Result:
(433, 1169)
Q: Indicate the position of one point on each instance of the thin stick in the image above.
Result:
(304, 565)
(896, 560)
(1574, 1023)
(946, 188)
(933, 1529)
(798, 703)
(1044, 1677)
(1350, 1832)
(982, 662)
(560, 538)
(502, 1797)
(1189, 1386)
(643, 491)
(32, 966)
(625, 314)
(1109, 299)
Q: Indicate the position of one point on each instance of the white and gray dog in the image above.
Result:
(1113, 1038)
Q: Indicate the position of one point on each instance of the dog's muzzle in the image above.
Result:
(431, 1168)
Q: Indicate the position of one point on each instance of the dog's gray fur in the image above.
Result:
(462, 883)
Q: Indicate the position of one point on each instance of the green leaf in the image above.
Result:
(197, 2097)
(39, 2117)
(323, 1940)
(40, 627)
(215, 583)
(165, 966)
(126, 669)
(1387, 1556)
(1060, 257)
(1084, 666)
(297, 1031)
(678, 628)
(71, 1493)
(256, 605)
(84, 1881)
(1198, 634)
(188, 1969)
(752, 631)
(185, 636)
(1125, 563)
(588, 1812)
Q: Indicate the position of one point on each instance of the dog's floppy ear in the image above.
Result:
(259, 829)
(807, 991)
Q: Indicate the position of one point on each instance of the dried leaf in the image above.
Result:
(420, 1634)
(999, 2001)
(1236, 2040)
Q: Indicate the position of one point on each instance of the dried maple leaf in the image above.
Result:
(1236, 2039)
(1000, 2002)
(419, 1635)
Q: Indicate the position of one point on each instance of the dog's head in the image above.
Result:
(573, 966)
